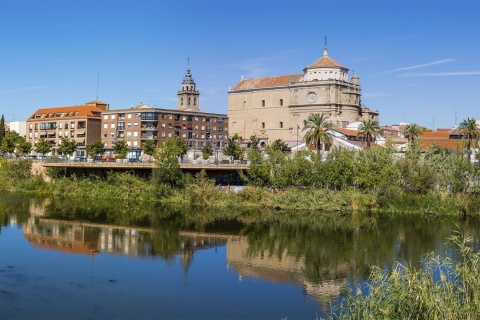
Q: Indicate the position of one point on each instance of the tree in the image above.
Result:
(43, 146)
(368, 130)
(207, 151)
(233, 148)
(469, 130)
(412, 131)
(8, 145)
(24, 147)
(149, 147)
(253, 143)
(121, 149)
(167, 157)
(317, 128)
(96, 148)
(279, 145)
(2, 129)
(67, 146)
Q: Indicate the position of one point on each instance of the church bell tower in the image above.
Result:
(188, 96)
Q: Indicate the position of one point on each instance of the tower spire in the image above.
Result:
(325, 50)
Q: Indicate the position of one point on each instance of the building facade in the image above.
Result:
(142, 123)
(82, 123)
(277, 107)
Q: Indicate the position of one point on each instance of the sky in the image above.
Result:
(418, 61)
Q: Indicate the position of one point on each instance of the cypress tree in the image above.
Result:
(2, 129)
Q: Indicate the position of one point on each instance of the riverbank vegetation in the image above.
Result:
(441, 289)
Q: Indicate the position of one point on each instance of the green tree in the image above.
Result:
(254, 142)
(167, 160)
(368, 130)
(317, 128)
(8, 145)
(96, 148)
(412, 131)
(24, 147)
(233, 148)
(121, 149)
(207, 151)
(279, 145)
(2, 129)
(43, 146)
(149, 147)
(67, 146)
(469, 130)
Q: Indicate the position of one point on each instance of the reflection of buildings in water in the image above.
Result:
(83, 238)
(282, 268)
(38, 208)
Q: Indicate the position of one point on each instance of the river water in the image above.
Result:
(61, 259)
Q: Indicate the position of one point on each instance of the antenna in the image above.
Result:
(98, 81)
(433, 124)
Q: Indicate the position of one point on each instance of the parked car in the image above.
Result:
(109, 159)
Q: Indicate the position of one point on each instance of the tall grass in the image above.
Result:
(442, 289)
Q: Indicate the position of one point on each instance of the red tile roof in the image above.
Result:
(348, 132)
(442, 143)
(267, 82)
(83, 111)
(435, 135)
(326, 62)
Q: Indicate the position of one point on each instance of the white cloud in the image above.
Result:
(24, 89)
(425, 65)
(440, 74)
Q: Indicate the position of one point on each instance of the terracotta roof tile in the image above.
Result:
(267, 82)
(348, 132)
(435, 135)
(326, 62)
(83, 111)
(442, 143)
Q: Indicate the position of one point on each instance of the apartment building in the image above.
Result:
(141, 123)
(82, 123)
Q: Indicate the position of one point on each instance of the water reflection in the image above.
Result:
(321, 253)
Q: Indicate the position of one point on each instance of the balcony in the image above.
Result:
(148, 137)
(149, 128)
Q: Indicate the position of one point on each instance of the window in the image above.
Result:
(194, 101)
(135, 124)
(169, 134)
(105, 134)
(203, 136)
(170, 116)
(129, 116)
(281, 102)
(112, 117)
(105, 126)
(129, 125)
(184, 135)
(281, 124)
(135, 143)
(66, 125)
(263, 125)
(203, 127)
(112, 134)
(196, 127)
(163, 134)
(163, 125)
(129, 143)
(135, 134)
(105, 117)
(112, 125)
(184, 118)
(196, 118)
(263, 103)
(60, 125)
(137, 115)
(129, 134)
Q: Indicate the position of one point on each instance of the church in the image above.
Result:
(277, 107)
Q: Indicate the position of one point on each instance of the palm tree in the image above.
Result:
(469, 130)
(317, 128)
(412, 131)
(368, 130)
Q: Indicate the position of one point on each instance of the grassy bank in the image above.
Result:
(201, 191)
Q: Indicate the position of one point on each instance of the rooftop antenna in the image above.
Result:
(98, 81)
(433, 124)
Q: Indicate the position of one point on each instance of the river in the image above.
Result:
(63, 259)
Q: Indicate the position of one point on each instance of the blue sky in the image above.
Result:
(418, 61)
